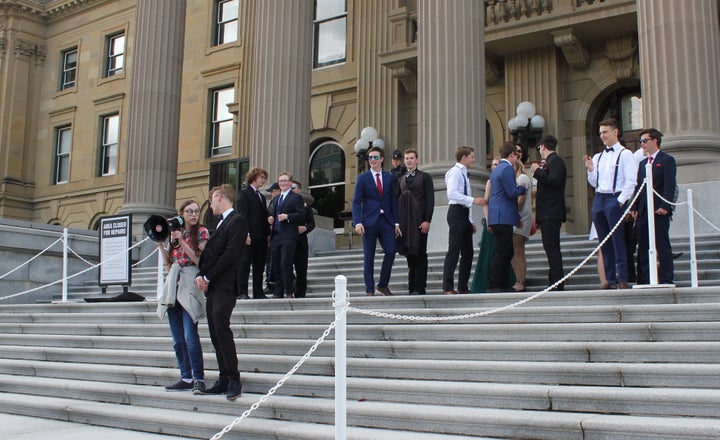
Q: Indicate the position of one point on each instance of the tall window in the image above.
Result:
(68, 74)
(222, 122)
(115, 54)
(625, 106)
(226, 23)
(230, 172)
(330, 34)
(327, 181)
(63, 142)
(109, 145)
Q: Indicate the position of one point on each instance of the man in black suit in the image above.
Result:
(550, 204)
(664, 172)
(302, 251)
(288, 213)
(416, 202)
(217, 278)
(251, 205)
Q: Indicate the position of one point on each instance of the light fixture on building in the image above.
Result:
(368, 139)
(526, 127)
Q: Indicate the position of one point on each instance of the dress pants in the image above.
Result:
(418, 267)
(384, 232)
(254, 255)
(460, 246)
(606, 212)
(220, 304)
(550, 233)
(283, 258)
(504, 252)
(662, 245)
(302, 250)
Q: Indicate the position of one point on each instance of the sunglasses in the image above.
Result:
(373, 157)
(645, 141)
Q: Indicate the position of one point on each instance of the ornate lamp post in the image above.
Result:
(368, 139)
(526, 127)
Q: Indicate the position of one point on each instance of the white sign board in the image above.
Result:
(114, 250)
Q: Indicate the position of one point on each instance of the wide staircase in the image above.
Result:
(578, 364)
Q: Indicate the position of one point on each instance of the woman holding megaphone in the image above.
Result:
(182, 301)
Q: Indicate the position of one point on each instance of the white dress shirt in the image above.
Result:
(456, 180)
(602, 177)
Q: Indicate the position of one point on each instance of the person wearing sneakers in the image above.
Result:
(182, 302)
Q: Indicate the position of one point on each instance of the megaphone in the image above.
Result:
(158, 227)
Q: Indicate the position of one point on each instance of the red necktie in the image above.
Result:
(379, 184)
(650, 160)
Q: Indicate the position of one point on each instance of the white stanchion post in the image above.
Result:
(65, 266)
(650, 203)
(160, 267)
(341, 298)
(691, 235)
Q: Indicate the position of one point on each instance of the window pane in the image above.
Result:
(229, 10)
(62, 154)
(222, 122)
(110, 160)
(112, 124)
(328, 8)
(225, 130)
(69, 69)
(331, 42)
(224, 97)
(327, 165)
(118, 45)
(226, 27)
(631, 108)
(228, 32)
(64, 140)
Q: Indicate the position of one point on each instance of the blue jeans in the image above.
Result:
(187, 343)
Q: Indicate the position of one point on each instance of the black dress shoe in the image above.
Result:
(234, 389)
(220, 387)
(384, 290)
(243, 296)
(260, 296)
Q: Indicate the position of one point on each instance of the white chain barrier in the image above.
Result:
(282, 381)
(30, 260)
(94, 266)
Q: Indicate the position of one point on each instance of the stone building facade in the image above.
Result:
(111, 106)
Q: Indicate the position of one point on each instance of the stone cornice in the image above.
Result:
(42, 12)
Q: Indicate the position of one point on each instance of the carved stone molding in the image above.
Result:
(493, 70)
(29, 50)
(622, 53)
(406, 73)
(575, 51)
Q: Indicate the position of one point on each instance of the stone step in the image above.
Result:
(193, 423)
(662, 375)
(525, 314)
(379, 420)
(630, 352)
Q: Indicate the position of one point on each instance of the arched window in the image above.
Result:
(327, 180)
(625, 106)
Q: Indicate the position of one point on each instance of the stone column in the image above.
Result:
(282, 63)
(152, 145)
(680, 75)
(451, 79)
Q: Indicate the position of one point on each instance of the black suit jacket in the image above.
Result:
(664, 172)
(294, 207)
(223, 251)
(550, 197)
(250, 206)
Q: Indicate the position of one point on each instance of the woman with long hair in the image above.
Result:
(182, 301)
(521, 233)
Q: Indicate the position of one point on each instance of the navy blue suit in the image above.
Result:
(378, 216)
(503, 214)
(664, 173)
(283, 240)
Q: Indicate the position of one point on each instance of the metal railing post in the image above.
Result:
(65, 266)
(650, 203)
(341, 298)
(691, 236)
(160, 267)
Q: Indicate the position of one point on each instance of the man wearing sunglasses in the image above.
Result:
(664, 172)
(503, 214)
(374, 209)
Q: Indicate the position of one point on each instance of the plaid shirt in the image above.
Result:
(179, 256)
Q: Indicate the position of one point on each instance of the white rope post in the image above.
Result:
(65, 266)
(160, 267)
(691, 236)
(341, 299)
(650, 203)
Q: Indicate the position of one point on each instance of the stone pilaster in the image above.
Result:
(451, 80)
(152, 146)
(680, 72)
(282, 63)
